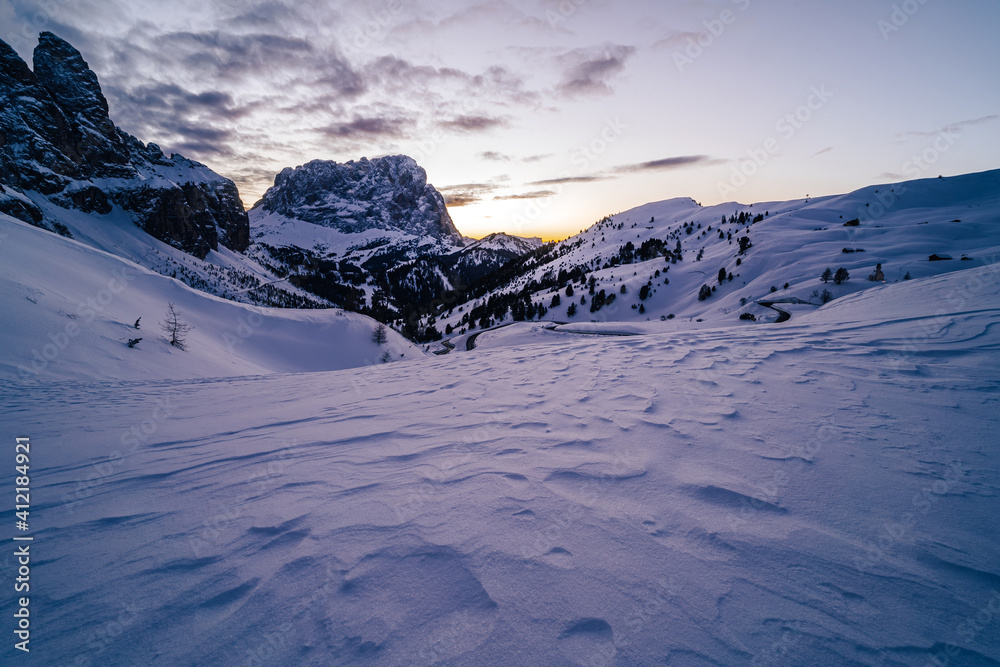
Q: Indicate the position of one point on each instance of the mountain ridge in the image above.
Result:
(653, 261)
(61, 143)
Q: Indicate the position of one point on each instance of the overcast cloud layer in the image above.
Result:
(540, 117)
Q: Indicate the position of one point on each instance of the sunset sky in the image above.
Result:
(538, 118)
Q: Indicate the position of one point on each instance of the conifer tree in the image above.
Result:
(175, 328)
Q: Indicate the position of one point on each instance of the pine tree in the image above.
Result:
(722, 275)
(379, 335)
(841, 276)
(571, 311)
(827, 275)
(704, 293)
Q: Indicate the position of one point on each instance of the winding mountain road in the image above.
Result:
(470, 342)
(783, 315)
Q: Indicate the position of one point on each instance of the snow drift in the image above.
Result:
(823, 491)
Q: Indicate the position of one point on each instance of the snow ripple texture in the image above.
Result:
(818, 493)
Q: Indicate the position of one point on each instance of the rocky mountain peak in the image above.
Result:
(58, 142)
(63, 72)
(388, 193)
(13, 70)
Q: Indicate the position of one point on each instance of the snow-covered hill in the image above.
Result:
(819, 492)
(69, 312)
(791, 243)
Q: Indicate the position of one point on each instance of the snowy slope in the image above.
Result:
(278, 230)
(408, 270)
(69, 311)
(222, 272)
(819, 492)
(501, 242)
(900, 226)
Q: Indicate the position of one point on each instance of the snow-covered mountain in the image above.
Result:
(66, 167)
(372, 233)
(61, 145)
(385, 194)
(325, 234)
(663, 468)
(484, 257)
(498, 246)
(664, 260)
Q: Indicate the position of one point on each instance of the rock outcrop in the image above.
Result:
(389, 193)
(58, 141)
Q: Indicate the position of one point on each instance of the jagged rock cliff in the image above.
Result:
(389, 193)
(57, 141)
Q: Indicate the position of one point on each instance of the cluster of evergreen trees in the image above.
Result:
(840, 277)
(650, 249)
(601, 299)
(744, 218)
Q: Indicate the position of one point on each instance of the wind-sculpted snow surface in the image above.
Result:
(821, 492)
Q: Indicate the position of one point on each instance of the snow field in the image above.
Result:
(818, 492)
(70, 311)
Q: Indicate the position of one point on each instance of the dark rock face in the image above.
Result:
(18, 208)
(90, 200)
(196, 218)
(61, 70)
(389, 193)
(56, 137)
